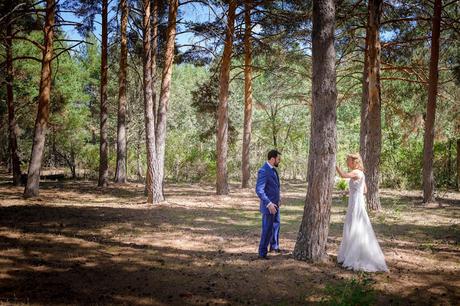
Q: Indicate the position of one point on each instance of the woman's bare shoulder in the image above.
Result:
(357, 174)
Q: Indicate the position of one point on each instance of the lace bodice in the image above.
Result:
(357, 185)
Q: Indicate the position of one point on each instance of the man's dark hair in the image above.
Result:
(273, 153)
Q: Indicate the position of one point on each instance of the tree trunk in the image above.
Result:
(160, 132)
(364, 124)
(153, 185)
(72, 163)
(428, 140)
(222, 120)
(120, 175)
(38, 146)
(140, 171)
(12, 124)
(154, 56)
(274, 127)
(104, 145)
(54, 152)
(458, 164)
(313, 232)
(371, 123)
(154, 51)
(449, 162)
(245, 166)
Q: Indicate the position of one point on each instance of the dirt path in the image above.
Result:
(82, 245)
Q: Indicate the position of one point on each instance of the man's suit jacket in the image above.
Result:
(267, 187)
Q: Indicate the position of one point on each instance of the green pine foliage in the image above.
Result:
(281, 103)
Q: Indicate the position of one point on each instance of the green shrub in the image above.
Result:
(356, 291)
(341, 185)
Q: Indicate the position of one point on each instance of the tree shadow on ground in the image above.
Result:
(94, 253)
(50, 265)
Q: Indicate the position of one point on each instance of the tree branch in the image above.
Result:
(405, 20)
(12, 11)
(27, 58)
(66, 49)
(39, 46)
(403, 79)
(392, 43)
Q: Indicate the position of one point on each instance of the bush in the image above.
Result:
(341, 184)
(356, 291)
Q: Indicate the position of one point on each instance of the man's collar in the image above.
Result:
(270, 165)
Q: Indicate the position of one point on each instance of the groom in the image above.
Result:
(268, 190)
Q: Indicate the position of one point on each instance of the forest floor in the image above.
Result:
(78, 244)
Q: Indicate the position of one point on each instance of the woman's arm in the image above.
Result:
(352, 175)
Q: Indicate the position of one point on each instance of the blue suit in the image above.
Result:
(268, 190)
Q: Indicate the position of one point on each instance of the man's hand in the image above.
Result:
(272, 208)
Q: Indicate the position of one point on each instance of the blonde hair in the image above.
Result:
(357, 161)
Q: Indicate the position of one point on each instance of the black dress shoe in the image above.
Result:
(263, 257)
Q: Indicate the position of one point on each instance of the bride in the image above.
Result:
(359, 249)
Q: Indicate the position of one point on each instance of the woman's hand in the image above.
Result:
(339, 171)
(351, 175)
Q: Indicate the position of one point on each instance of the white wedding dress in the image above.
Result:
(359, 249)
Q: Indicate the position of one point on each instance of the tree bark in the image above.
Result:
(165, 92)
(154, 25)
(371, 123)
(428, 140)
(245, 162)
(140, 171)
(104, 145)
(38, 146)
(154, 51)
(120, 174)
(12, 124)
(222, 119)
(449, 162)
(153, 185)
(71, 163)
(313, 232)
(273, 113)
(458, 164)
(364, 124)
